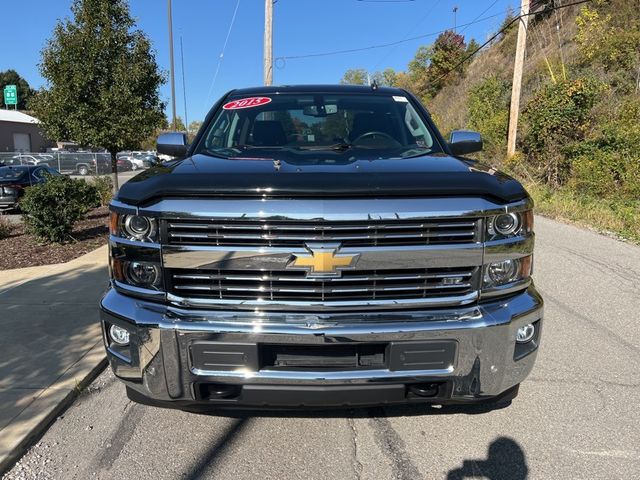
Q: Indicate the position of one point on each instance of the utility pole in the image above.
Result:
(517, 77)
(268, 42)
(173, 80)
(184, 87)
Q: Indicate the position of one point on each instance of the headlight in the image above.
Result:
(499, 273)
(507, 271)
(134, 227)
(145, 275)
(142, 274)
(509, 224)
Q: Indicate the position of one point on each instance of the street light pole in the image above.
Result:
(268, 42)
(455, 20)
(173, 80)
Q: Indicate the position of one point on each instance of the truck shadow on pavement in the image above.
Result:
(218, 449)
(505, 460)
(364, 412)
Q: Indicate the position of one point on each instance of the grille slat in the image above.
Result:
(293, 285)
(295, 234)
(288, 278)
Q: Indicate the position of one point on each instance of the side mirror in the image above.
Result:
(462, 142)
(173, 144)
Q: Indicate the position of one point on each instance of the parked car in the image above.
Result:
(351, 257)
(124, 165)
(26, 159)
(15, 179)
(83, 163)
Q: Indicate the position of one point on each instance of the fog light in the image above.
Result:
(119, 335)
(142, 274)
(526, 333)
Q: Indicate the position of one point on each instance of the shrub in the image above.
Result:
(554, 121)
(6, 227)
(50, 210)
(489, 113)
(608, 162)
(104, 187)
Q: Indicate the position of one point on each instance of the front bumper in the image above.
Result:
(158, 365)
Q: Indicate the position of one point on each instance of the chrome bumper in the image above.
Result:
(157, 363)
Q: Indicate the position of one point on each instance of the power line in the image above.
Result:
(501, 31)
(224, 47)
(386, 55)
(382, 45)
(483, 12)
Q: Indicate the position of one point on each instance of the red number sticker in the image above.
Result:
(246, 103)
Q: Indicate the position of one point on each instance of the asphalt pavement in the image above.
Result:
(576, 416)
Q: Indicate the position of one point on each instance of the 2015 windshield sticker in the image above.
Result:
(246, 103)
(400, 99)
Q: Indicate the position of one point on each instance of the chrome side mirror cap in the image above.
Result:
(172, 143)
(462, 142)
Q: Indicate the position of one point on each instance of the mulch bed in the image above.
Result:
(22, 249)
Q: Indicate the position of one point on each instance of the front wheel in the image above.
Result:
(134, 167)
(83, 170)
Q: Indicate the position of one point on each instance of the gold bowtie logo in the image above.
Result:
(323, 262)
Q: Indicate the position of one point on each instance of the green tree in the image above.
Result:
(445, 55)
(194, 127)
(436, 65)
(180, 126)
(25, 92)
(387, 78)
(355, 76)
(103, 80)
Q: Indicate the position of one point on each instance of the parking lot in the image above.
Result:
(123, 177)
(576, 416)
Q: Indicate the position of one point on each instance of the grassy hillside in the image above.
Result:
(579, 134)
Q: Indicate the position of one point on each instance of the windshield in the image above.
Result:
(12, 173)
(312, 126)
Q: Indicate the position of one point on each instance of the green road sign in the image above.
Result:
(10, 95)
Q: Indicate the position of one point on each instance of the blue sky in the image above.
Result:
(300, 27)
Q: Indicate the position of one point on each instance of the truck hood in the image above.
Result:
(427, 175)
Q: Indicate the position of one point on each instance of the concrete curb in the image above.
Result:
(52, 401)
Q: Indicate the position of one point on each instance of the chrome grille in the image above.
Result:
(289, 285)
(296, 234)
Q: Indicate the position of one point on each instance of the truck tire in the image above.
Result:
(83, 170)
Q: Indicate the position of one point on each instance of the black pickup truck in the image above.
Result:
(321, 246)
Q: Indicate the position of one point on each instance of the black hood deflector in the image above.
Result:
(430, 175)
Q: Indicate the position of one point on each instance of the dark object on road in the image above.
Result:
(15, 179)
(321, 246)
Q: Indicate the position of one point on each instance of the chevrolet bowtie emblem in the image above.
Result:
(323, 261)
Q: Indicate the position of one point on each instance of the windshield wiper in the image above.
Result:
(338, 147)
(260, 147)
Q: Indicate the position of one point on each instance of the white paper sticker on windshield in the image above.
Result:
(400, 99)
